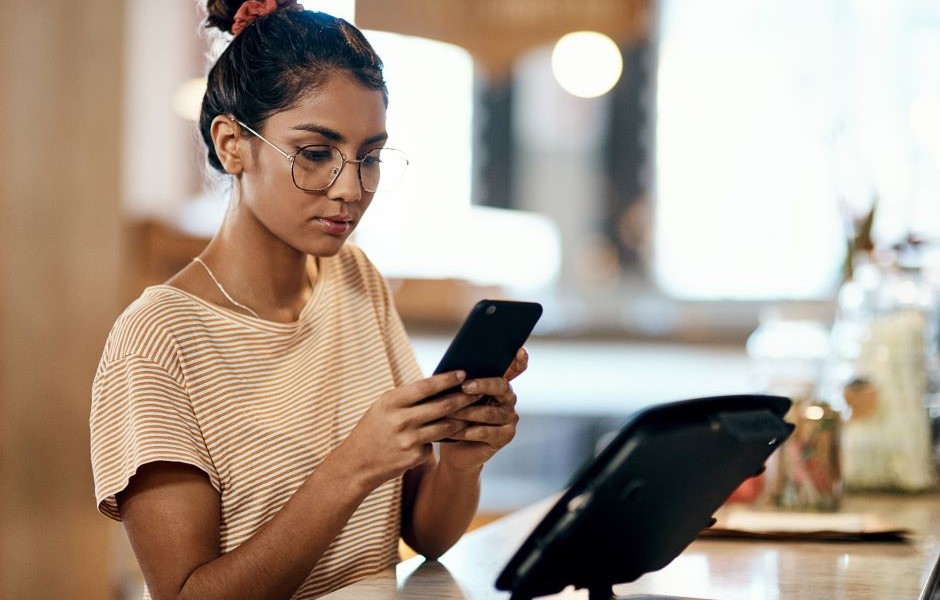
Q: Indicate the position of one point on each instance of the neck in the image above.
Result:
(257, 268)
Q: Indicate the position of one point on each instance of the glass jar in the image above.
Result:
(788, 352)
(884, 348)
(806, 473)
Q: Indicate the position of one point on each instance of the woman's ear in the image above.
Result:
(226, 134)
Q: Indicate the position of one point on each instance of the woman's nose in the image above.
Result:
(346, 187)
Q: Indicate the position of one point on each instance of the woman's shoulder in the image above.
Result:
(353, 256)
(152, 323)
(355, 266)
(161, 304)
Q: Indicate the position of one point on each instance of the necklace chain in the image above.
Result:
(222, 289)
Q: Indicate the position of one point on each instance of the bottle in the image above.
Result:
(788, 352)
(807, 473)
(884, 349)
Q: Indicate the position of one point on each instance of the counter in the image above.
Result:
(708, 569)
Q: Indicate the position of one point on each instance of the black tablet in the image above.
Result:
(648, 494)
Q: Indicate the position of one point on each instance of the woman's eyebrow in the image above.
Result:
(379, 137)
(335, 136)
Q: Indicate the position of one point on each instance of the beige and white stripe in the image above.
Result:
(255, 404)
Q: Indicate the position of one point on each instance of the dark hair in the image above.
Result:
(277, 59)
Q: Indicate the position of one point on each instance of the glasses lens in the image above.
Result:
(381, 170)
(315, 167)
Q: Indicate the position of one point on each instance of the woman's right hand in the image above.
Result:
(396, 432)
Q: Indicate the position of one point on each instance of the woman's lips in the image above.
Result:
(335, 225)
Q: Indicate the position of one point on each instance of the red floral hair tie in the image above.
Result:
(251, 10)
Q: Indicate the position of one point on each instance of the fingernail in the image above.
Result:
(470, 386)
(461, 375)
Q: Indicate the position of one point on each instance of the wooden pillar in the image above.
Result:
(60, 176)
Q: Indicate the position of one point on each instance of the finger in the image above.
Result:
(496, 387)
(417, 391)
(494, 436)
(486, 414)
(518, 366)
(441, 429)
(429, 411)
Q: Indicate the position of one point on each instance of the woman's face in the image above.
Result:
(342, 113)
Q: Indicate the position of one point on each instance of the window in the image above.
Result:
(777, 118)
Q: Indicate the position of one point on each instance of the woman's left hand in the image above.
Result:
(491, 425)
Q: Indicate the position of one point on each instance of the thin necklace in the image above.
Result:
(222, 289)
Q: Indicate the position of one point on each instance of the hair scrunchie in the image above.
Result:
(251, 10)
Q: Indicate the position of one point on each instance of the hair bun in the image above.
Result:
(221, 14)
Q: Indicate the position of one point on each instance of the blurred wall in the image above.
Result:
(60, 99)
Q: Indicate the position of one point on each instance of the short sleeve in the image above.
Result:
(140, 414)
(405, 366)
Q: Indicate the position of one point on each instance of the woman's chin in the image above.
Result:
(324, 247)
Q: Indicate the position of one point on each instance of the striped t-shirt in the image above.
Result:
(255, 404)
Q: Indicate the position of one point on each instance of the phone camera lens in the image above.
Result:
(490, 309)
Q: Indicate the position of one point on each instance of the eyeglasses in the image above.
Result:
(316, 167)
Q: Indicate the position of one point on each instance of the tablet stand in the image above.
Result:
(607, 593)
(647, 495)
(602, 593)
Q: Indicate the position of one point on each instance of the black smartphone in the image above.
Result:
(487, 342)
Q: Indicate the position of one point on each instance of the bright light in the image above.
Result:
(586, 64)
(814, 413)
(426, 227)
(745, 203)
(187, 101)
(924, 118)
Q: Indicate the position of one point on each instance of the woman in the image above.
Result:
(258, 422)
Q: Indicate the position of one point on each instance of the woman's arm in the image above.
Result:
(438, 507)
(171, 515)
(440, 497)
(171, 512)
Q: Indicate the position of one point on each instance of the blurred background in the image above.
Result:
(666, 181)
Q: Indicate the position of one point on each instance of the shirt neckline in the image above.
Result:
(260, 322)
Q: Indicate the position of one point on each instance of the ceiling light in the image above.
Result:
(586, 64)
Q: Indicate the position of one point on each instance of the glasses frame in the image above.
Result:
(292, 157)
